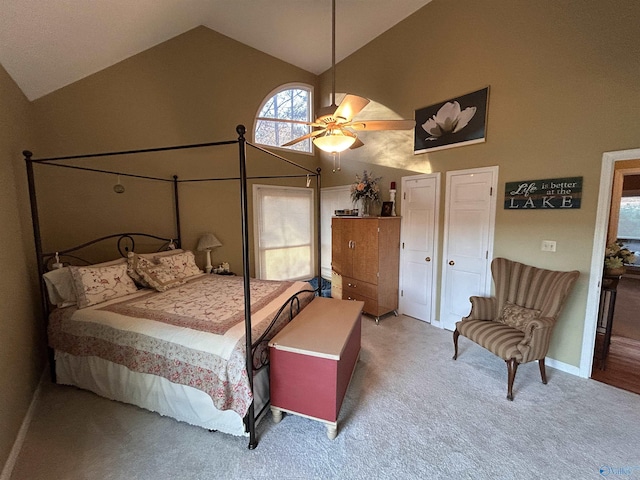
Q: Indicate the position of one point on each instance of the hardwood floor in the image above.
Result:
(622, 367)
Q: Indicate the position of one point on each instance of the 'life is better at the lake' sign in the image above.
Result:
(548, 194)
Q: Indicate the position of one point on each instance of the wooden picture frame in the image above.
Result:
(387, 208)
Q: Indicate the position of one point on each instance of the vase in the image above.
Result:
(366, 207)
(615, 272)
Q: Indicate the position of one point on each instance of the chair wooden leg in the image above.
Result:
(543, 372)
(512, 368)
(456, 334)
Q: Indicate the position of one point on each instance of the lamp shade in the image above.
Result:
(335, 141)
(207, 242)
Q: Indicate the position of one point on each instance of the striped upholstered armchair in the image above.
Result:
(516, 324)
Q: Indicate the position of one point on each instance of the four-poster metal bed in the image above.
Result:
(126, 243)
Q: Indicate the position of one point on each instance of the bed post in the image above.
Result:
(38, 241)
(318, 231)
(242, 151)
(177, 208)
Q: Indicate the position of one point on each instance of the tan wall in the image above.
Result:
(194, 88)
(21, 332)
(563, 80)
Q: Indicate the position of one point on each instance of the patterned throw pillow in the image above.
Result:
(181, 264)
(154, 275)
(134, 262)
(517, 316)
(95, 285)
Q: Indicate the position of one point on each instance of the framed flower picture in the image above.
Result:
(453, 123)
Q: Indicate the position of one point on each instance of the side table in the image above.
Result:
(608, 298)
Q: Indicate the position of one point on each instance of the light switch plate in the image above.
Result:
(548, 246)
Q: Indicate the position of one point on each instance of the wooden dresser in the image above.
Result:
(365, 251)
(312, 360)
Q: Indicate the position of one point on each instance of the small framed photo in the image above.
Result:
(387, 208)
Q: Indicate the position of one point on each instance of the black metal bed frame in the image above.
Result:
(293, 304)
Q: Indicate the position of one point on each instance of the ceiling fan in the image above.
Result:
(336, 126)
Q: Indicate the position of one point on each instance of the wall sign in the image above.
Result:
(548, 194)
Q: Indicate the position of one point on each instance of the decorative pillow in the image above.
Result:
(182, 264)
(135, 262)
(95, 285)
(154, 275)
(516, 316)
(166, 253)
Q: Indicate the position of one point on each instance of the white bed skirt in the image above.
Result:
(154, 393)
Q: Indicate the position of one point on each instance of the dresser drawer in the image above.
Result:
(370, 305)
(352, 287)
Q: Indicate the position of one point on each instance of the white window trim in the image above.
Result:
(269, 96)
(257, 210)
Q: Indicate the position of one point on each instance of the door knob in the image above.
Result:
(428, 259)
(451, 262)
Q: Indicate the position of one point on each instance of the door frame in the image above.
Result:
(436, 239)
(491, 234)
(599, 245)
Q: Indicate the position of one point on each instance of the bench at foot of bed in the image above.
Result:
(332, 427)
(313, 359)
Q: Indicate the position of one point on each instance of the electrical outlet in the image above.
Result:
(548, 246)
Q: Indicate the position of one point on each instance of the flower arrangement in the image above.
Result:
(617, 255)
(365, 187)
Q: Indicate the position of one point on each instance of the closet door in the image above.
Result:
(420, 212)
(468, 240)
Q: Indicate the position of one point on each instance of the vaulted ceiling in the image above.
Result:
(47, 44)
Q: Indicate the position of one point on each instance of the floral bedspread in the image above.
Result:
(192, 335)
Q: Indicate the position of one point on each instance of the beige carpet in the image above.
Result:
(411, 412)
(626, 318)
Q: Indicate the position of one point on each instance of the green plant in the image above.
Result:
(617, 255)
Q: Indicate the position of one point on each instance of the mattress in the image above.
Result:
(180, 353)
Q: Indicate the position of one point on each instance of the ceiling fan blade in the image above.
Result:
(357, 144)
(382, 125)
(350, 106)
(304, 137)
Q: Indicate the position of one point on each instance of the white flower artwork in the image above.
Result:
(449, 119)
(453, 123)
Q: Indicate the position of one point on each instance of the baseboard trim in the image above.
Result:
(7, 470)
(564, 367)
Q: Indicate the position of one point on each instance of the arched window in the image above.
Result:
(288, 102)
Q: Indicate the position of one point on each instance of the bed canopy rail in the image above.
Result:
(252, 346)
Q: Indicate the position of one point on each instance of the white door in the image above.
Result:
(420, 203)
(468, 240)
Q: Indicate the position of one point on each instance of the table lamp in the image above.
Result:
(208, 242)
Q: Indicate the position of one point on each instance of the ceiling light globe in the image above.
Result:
(334, 143)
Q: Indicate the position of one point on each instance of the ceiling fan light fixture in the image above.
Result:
(335, 141)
